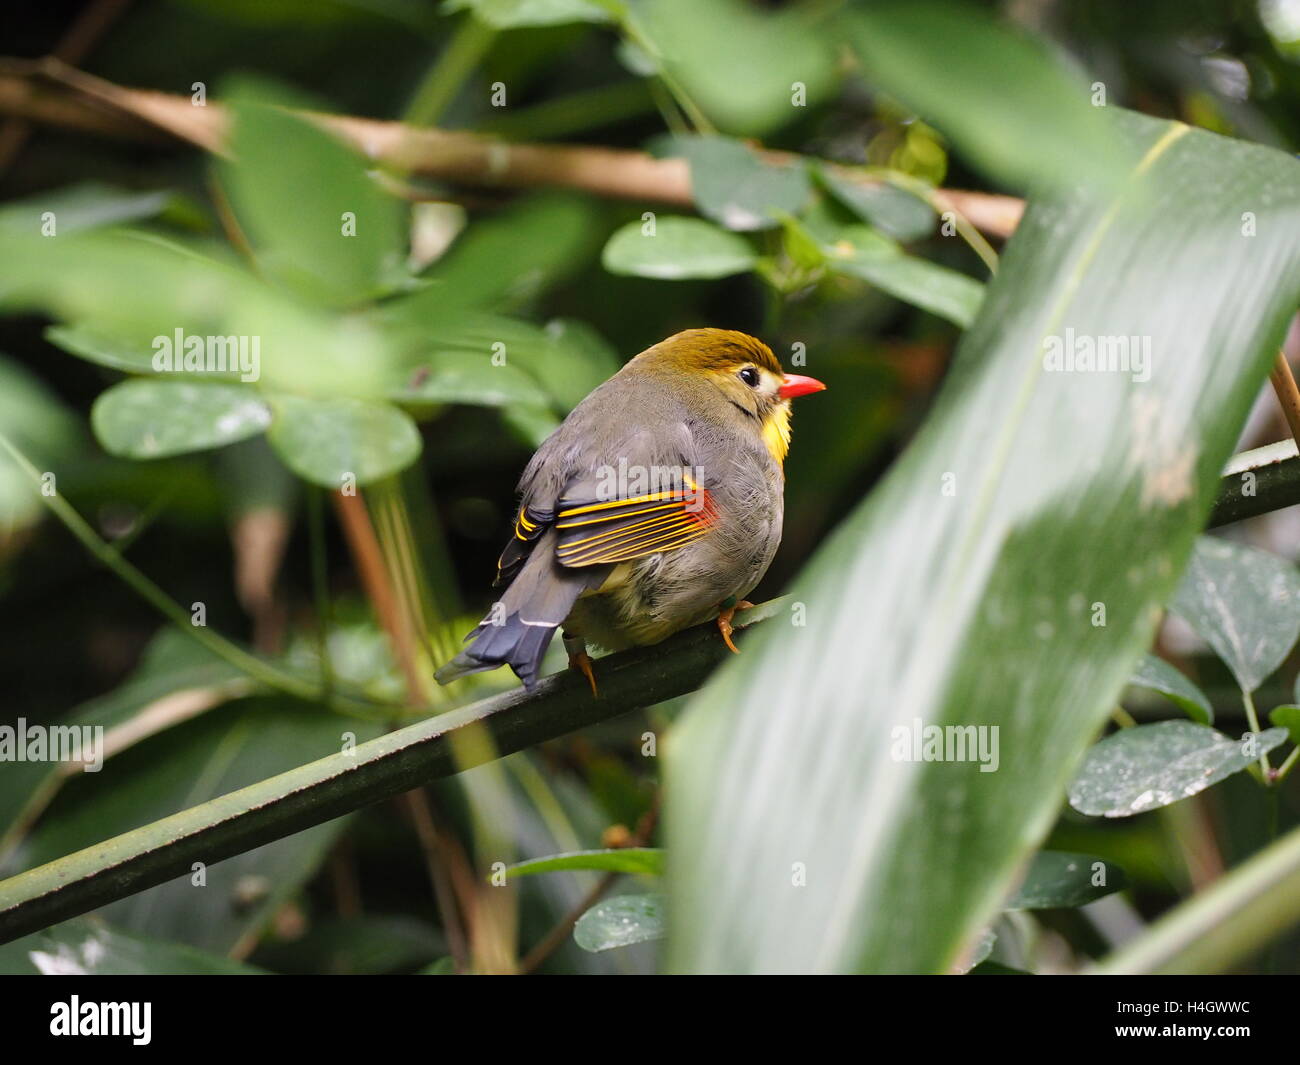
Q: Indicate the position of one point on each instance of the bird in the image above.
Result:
(657, 504)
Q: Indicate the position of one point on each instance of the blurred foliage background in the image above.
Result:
(451, 271)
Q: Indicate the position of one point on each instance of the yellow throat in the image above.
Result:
(776, 432)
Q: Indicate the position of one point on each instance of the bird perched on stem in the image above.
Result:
(655, 506)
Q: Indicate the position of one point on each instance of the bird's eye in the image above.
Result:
(750, 376)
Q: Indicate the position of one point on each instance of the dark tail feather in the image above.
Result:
(519, 627)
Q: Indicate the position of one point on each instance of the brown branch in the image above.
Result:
(1287, 394)
(53, 93)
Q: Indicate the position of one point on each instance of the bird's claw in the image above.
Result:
(724, 623)
(581, 661)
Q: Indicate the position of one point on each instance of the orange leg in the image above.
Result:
(576, 647)
(725, 614)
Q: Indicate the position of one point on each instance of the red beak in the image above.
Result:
(795, 385)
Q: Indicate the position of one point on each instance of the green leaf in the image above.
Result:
(1149, 766)
(751, 71)
(1158, 675)
(983, 948)
(124, 295)
(923, 284)
(461, 377)
(512, 257)
(328, 441)
(80, 207)
(893, 211)
(620, 922)
(532, 425)
(511, 14)
(316, 219)
(37, 422)
(1001, 95)
(645, 861)
(737, 189)
(576, 359)
(208, 756)
(676, 249)
(176, 680)
(965, 573)
(88, 947)
(1245, 603)
(1058, 879)
(113, 352)
(1287, 717)
(144, 419)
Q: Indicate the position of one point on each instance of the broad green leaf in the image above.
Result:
(115, 353)
(1149, 766)
(38, 423)
(983, 948)
(676, 249)
(620, 922)
(512, 257)
(737, 189)
(208, 756)
(966, 575)
(575, 361)
(328, 442)
(177, 679)
(1245, 603)
(125, 297)
(1158, 675)
(316, 219)
(89, 947)
(143, 419)
(1002, 96)
(924, 284)
(461, 377)
(891, 210)
(1056, 879)
(511, 14)
(1287, 717)
(80, 207)
(646, 861)
(751, 71)
(531, 424)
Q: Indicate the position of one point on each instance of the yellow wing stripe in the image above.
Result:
(607, 518)
(591, 508)
(637, 548)
(615, 534)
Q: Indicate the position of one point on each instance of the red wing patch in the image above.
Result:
(595, 533)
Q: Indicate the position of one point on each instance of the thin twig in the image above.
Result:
(1287, 394)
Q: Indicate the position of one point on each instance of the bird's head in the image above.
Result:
(741, 375)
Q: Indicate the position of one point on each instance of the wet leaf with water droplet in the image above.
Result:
(1144, 768)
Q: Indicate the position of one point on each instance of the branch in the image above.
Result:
(1276, 483)
(51, 92)
(372, 772)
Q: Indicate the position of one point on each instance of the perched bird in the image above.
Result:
(656, 505)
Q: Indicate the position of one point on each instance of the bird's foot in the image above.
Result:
(727, 611)
(576, 647)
